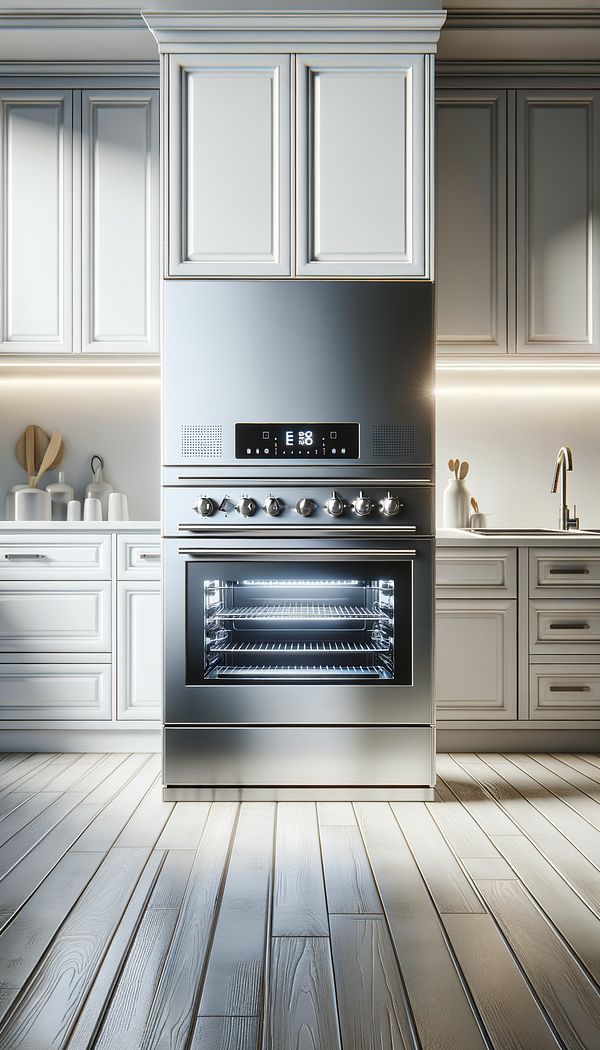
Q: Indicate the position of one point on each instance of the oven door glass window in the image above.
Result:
(324, 623)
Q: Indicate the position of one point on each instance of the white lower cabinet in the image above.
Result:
(80, 633)
(476, 659)
(139, 650)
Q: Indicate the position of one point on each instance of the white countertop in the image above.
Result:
(79, 526)
(521, 538)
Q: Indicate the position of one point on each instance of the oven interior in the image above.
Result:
(342, 625)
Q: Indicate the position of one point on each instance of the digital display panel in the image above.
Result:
(296, 440)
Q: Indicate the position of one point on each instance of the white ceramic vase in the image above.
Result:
(457, 506)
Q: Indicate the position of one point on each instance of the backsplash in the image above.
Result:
(510, 427)
(116, 414)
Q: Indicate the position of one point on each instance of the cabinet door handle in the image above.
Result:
(23, 557)
(570, 689)
(569, 626)
(569, 572)
(148, 556)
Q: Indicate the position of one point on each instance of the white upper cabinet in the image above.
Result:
(558, 221)
(36, 221)
(362, 196)
(229, 165)
(120, 249)
(471, 226)
(79, 217)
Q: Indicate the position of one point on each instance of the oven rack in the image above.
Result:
(303, 648)
(314, 671)
(300, 611)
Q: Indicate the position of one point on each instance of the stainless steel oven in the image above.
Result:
(298, 539)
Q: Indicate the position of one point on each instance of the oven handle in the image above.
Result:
(270, 553)
(295, 533)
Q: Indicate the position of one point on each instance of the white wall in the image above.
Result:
(510, 427)
(117, 415)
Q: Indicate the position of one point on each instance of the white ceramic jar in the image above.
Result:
(457, 505)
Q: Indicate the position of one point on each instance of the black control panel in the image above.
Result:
(296, 441)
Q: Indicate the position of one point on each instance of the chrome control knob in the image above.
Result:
(363, 505)
(335, 506)
(204, 507)
(390, 506)
(305, 506)
(246, 506)
(273, 506)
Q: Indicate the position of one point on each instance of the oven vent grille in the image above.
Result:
(205, 441)
(394, 440)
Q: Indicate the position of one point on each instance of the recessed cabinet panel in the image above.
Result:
(476, 659)
(565, 691)
(43, 617)
(229, 166)
(39, 691)
(36, 220)
(471, 222)
(361, 165)
(558, 222)
(120, 221)
(139, 648)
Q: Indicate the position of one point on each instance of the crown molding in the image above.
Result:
(523, 18)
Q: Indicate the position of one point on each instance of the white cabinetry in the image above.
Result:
(518, 219)
(36, 221)
(229, 165)
(79, 221)
(476, 634)
(120, 250)
(362, 194)
(139, 629)
(80, 632)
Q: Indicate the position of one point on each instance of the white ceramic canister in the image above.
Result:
(478, 521)
(60, 493)
(32, 505)
(457, 506)
(9, 502)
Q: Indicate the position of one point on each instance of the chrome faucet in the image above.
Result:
(564, 462)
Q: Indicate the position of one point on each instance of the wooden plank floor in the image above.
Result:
(128, 923)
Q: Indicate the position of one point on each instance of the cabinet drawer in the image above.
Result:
(573, 571)
(50, 617)
(38, 691)
(564, 691)
(77, 557)
(138, 557)
(567, 626)
(485, 573)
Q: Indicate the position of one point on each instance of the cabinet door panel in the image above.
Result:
(41, 691)
(44, 617)
(120, 221)
(36, 221)
(361, 165)
(139, 650)
(471, 222)
(558, 221)
(476, 659)
(229, 165)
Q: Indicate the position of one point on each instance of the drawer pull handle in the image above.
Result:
(570, 689)
(23, 557)
(149, 555)
(569, 572)
(569, 626)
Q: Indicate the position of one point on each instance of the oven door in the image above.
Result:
(295, 632)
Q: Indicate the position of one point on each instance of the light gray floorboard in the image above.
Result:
(127, 923)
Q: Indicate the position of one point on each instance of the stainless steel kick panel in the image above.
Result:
(299, 756)
(292, 352)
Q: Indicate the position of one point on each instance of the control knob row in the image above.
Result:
(362, 506)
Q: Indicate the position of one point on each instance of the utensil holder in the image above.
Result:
(456, 505)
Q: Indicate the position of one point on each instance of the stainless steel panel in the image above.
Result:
(299, 756)
(292, 352)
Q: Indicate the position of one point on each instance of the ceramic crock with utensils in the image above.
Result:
(456, 496)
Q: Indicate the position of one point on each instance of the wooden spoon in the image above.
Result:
(451, 466)
(456, 466)
(474, 504)
(40, 444)
(30, 453)
(51, 457)
(464, 470)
